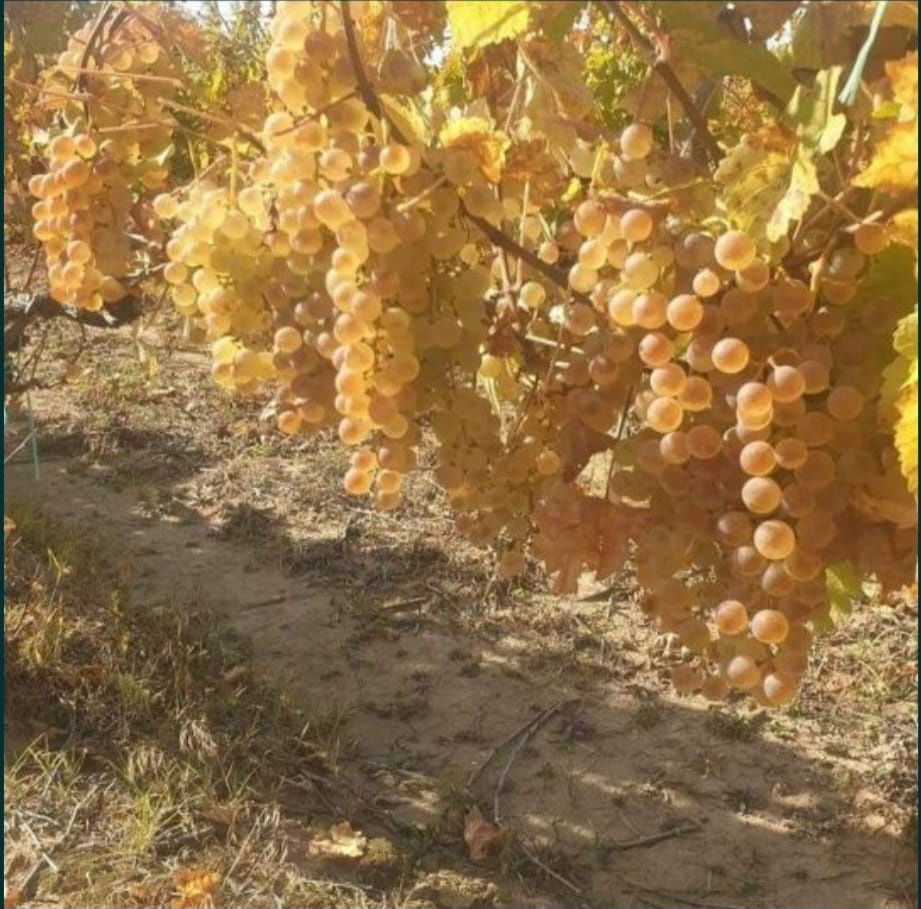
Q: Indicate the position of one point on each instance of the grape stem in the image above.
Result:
(621, 427)
(661, 66)
(493, 234)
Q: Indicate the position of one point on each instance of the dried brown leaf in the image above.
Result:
(485, 840)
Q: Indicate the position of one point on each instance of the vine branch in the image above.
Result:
(660, 64)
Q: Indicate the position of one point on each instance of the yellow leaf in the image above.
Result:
(407, 119)
(769, 180)
(906, 435)
(476, 135)
(903, 75)
(562, 68)
(899, 397)
(894, 165)
(476, 24)
(903, 228)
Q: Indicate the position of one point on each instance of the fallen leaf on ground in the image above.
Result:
(195, 889)
(484, 839)
(340, 842)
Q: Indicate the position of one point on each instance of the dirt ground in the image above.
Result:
(624, 795)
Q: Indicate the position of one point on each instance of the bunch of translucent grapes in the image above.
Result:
(81, 218)
(756, 437)
(86, 209)
(755, 433)
(308, 64)
(353, 271)
(218, 270)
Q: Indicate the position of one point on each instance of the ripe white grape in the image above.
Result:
(791, 453)
(664, 415)
(871, 239)
(684, 312)
(770, 626)
(648, 309)
(742, 672)
(734, 528)
(673, 447)
(844, 402)
(730, 355)
(735, 250)
(757, 459)
(589, 218)
(706, 283)
(731, 617)
(761, 495)
(636, 225)
(655, 349)
(636, 141)
(640, 271)
(704, 441)
(774, 539)
(786, 384)
(779, 688)
(668, 379)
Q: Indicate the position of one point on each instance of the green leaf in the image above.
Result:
(476, 24)
(843, 585)
(811, 110)
(795, 198)
(891, 274)
(557, 20)
(697, 34)
(827, 32)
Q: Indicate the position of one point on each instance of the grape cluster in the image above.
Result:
(88, 206)
(81, 218)
(730, 397)
(607, 379)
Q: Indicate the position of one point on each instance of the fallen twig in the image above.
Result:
(508, 739)
(528, 733)
(565, 881)
(653, 838)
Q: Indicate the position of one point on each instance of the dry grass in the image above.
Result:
(142, 752)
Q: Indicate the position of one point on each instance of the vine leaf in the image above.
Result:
(476, 24)
(894, 165)
(766, 18)
(899, 397)
(769, 181)
(477, 136)
(817, 125)
(561, 69)
(903, 228)
(830, 32)
(700, 36)
(406, 119)
(771, 176)
(906, 431)
(843, 586)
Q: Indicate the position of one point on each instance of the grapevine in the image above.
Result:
(535, 294)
